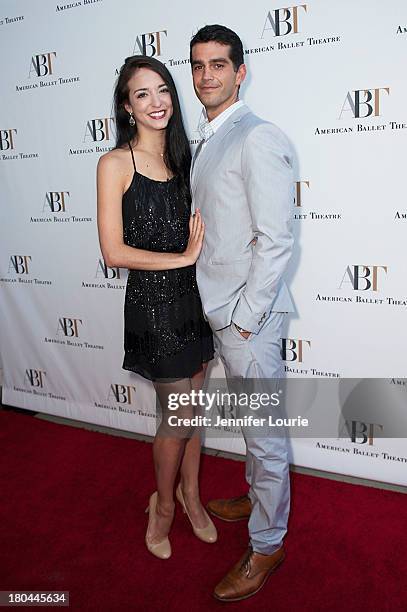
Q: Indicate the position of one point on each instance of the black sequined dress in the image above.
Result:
(165, 333)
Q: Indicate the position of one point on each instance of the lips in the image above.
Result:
(157, 114)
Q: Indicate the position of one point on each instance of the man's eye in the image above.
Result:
(197, 68)
(217, 66)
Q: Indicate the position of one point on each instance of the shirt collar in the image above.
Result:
(208, 128)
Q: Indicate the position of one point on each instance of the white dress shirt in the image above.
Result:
(208, 128)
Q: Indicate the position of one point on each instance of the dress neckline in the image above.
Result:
(143, 176)
(154, 180)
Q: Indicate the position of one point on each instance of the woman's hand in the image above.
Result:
(196, 234)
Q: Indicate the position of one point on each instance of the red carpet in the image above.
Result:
(72, 518)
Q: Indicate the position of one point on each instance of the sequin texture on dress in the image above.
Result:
(165, 333)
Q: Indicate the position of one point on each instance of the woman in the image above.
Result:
(145, 225)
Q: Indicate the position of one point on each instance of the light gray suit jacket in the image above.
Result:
(242, 182)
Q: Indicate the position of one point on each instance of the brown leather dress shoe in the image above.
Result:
(234, 509)
(248, 575)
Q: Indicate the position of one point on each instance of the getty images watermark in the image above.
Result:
(238, 401)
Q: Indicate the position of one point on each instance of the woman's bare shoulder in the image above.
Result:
(114, 159)
(115, 162)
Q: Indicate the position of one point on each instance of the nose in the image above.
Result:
(155, 99)
(207, 73)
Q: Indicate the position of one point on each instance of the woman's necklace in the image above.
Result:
(168, 178)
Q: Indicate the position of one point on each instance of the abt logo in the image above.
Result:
(293, 349)
(103, 270)
(36, 378)
(7, 140)
(283, 21)
(363, 103)
(69, 327)
(41, 65)
(55, 201)
(359, 432)
(122, 394)
(98, 129)
(299, 191)
(149, 44)
(362, 278)
(19, 264)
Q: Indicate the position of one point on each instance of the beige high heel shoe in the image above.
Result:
(162, 549)
(206, 534)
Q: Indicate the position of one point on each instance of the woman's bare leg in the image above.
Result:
(190, 466)
(168, 449)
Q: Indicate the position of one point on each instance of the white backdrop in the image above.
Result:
(330, 75)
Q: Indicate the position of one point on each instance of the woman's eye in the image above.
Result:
(164, 90)
(142, 94)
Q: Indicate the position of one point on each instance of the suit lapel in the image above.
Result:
(197, 152)
(202, 157)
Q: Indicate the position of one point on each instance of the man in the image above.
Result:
(241, 180)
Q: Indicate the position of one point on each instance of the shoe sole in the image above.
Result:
(228, 520)
(273, 569)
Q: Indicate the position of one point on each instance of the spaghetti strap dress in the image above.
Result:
(166, 336)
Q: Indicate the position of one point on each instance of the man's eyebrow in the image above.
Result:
(212, 61)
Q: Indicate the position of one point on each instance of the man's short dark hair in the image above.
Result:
(223, 36)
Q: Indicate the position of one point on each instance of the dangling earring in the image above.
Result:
(132, 120)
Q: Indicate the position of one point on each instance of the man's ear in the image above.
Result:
(241, 74)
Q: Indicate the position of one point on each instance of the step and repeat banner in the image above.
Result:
(331, 76)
